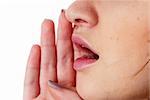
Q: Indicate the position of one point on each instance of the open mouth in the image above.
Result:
(83, 54)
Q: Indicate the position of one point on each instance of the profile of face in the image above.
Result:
(118, 33)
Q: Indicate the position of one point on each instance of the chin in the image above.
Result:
(88, 92)
(87, 89)
(90, 87)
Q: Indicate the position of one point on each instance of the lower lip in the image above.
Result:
(82, 63)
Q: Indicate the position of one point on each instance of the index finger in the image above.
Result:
(65, 72)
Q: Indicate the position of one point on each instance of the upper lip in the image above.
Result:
(80, 43)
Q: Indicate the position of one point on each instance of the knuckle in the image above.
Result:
(66, 83)
(47, 45)
(47, 65)
(30, 82)
(65, 59)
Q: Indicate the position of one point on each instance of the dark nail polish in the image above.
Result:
(62, 10)
(54, 84)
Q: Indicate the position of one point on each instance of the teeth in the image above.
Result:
(88, 56)
(91, 57)
(83, 46)
(83, 52)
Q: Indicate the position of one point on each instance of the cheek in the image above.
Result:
(112, 75)
(122, 45)
(123, 49)
(120, 36)
(116, 46)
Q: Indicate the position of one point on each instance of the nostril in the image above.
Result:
(80, 21)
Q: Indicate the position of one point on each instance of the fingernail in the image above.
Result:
(62, 10)
(45, 19)
(47, 26)
(54, 84)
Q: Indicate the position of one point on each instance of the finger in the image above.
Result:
(65, 72)
(31, 83)
(48, 53)
(60, 93)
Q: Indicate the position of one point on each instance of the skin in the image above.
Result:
(120, 37)
(118, 31)
(43, 65)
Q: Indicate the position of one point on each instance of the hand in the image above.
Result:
(49, 74)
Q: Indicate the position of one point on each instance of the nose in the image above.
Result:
(82, 13)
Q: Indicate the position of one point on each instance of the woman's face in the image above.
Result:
(118, 32)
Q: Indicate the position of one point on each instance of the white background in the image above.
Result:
(20, 22)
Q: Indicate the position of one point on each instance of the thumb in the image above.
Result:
(61, 93)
